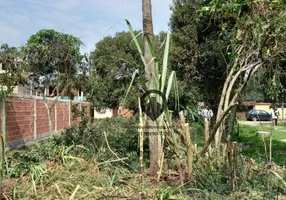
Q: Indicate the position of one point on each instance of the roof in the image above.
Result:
(263, 103)
(249, 103)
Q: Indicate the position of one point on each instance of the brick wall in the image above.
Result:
(125, 112)
(27, 119)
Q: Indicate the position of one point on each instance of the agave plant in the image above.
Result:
(159, 78)
(164, 84)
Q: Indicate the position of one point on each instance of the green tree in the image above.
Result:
(256, 32)
(256, 89)
(52, 59)
(268, 84)
(10, 76)
(112, 65)
(198, 53)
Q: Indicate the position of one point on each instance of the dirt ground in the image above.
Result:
(253, 123)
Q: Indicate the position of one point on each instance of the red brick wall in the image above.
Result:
(62, 115)
(42, 117)
(23, 122)
(19, 119)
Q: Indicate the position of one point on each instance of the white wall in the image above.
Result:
(107, 113)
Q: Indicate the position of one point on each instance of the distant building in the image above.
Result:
(263, 106)
(18, 89)
(249, 104)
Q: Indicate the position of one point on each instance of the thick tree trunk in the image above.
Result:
(155, 145)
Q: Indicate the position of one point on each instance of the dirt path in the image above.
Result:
(252, 123)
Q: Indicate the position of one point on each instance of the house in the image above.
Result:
(249, 104)
(111, 112)
(18, 89)
(262, 106)
(124, 111)
(266, 107)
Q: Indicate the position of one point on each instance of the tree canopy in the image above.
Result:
(197, 53)
(11, 65)
(112, 65)
(52, 58)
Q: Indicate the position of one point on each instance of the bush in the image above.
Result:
(121, 133)
(19, 162)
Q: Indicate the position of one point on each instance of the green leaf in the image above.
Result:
(165, 63)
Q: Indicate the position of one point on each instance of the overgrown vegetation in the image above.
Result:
(217, 47)
(62, 167)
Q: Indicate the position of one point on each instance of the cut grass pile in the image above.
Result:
(89, 179)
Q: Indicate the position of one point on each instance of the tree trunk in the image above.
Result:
(148, 30)
(49, 111)
(155, 145)
(220, 107)
(231, 120)
(50, 119)
(224, 99)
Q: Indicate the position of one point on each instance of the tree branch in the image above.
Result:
(218, 123)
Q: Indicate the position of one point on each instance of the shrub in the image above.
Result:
(121, 133)
(19, 162)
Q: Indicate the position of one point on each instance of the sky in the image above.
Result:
(90, 20)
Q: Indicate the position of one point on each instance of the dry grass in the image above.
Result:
(90, 180)
(60, 182)
(103, 175)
